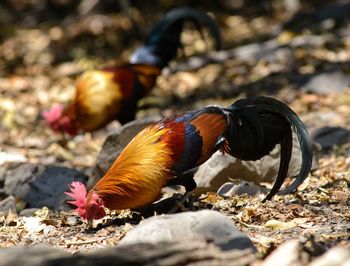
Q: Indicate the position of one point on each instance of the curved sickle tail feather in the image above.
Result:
(306, 151)
(286, 155)
(257, 125)
(304, 141)
(197, 18)
(164, 39)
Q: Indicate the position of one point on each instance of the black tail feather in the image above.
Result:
(164, 39)
(286, 155)
(257, 124)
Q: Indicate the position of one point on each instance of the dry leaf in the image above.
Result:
(247, 213)
(212, 198)
(42, 213)
(6, 157)
(278, 225)
(33, 224)
(11, 218)
(285, 37)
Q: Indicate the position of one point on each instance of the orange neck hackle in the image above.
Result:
(140, 172)
(136, 177)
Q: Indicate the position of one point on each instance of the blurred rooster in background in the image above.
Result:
(169, 152)
(112, 93)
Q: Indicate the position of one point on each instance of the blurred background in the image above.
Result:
(295, 50)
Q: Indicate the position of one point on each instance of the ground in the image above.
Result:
(39, 65)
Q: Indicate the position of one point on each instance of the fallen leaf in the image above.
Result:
(278, 225)
(6, 157)
(285, 37)
(247, 213)
(8, 121)
(33, 224)
(11, 218)
(42, 213)
(211, 198)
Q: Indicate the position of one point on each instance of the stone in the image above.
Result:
(219, 168)
(41, 186)
(289, 253)
(336, 256)
(114, 144)
(205, 225)
(37, 255)
(230, 189)
(16, 180)
(8, 204)
(166, 253)
(316, 118)
(328, 82)
(329, 137)
(28, 212)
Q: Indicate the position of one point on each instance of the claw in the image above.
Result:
(180, 204)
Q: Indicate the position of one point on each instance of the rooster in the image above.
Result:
(112, 93)
(170, 151)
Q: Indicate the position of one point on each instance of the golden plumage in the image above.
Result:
(101, 95)
(98, 99)
(139, 173)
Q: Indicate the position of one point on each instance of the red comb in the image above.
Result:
(54, 114)
(78, 193)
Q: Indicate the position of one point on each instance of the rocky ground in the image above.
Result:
(301, 59)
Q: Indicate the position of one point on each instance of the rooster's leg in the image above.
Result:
(188, 182)
(180, 203)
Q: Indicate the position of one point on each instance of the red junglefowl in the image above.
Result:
(169, 152)
(112, 93)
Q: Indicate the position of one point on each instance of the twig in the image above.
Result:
(84, 242)
(323, 190)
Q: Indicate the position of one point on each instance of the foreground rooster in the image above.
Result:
(112, 93)
(169, 152)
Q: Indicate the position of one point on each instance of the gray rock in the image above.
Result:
(243, 187)
(41, 186)
(316, 118)
(290, 253)
(28, 212)
(329, 82)
(8, 204)
(17, 179)
(337, 256)
(37, 255)
(257, 50)
(114, 144)
(166, 253)
(328, 137)
(219, 168)
(204, 225)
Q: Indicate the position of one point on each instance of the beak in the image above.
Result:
(90, 222)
